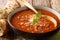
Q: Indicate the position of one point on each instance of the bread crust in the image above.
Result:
(10, 6)
(3, 26)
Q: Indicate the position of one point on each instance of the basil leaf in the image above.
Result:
(34, 21)
(36, 17)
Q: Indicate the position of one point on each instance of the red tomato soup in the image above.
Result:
(20, 21)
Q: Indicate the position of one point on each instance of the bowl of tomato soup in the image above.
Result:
(19, 19)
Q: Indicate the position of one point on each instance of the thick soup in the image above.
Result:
(21, 21)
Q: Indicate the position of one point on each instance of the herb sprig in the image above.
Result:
(36, 17)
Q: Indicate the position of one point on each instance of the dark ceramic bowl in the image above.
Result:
(37, 7)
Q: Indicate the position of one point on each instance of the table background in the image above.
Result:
(11, 35)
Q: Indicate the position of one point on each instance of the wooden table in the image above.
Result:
(54, 4)
(11, 35)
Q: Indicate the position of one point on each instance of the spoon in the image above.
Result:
(38, 14)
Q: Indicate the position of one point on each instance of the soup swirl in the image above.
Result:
(21, 21)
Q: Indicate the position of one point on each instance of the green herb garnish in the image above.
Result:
(36, 17)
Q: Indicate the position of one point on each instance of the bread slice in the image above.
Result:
(3, 27)
(9, 6)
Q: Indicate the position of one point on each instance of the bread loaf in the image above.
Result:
(6, 6)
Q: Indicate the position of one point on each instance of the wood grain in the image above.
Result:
(41, 2)
(19, 1)
(30, 1)
(55, 4)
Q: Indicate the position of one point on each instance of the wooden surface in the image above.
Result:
(55, 4)
(41, 3)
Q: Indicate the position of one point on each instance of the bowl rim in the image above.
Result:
(38, 7)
